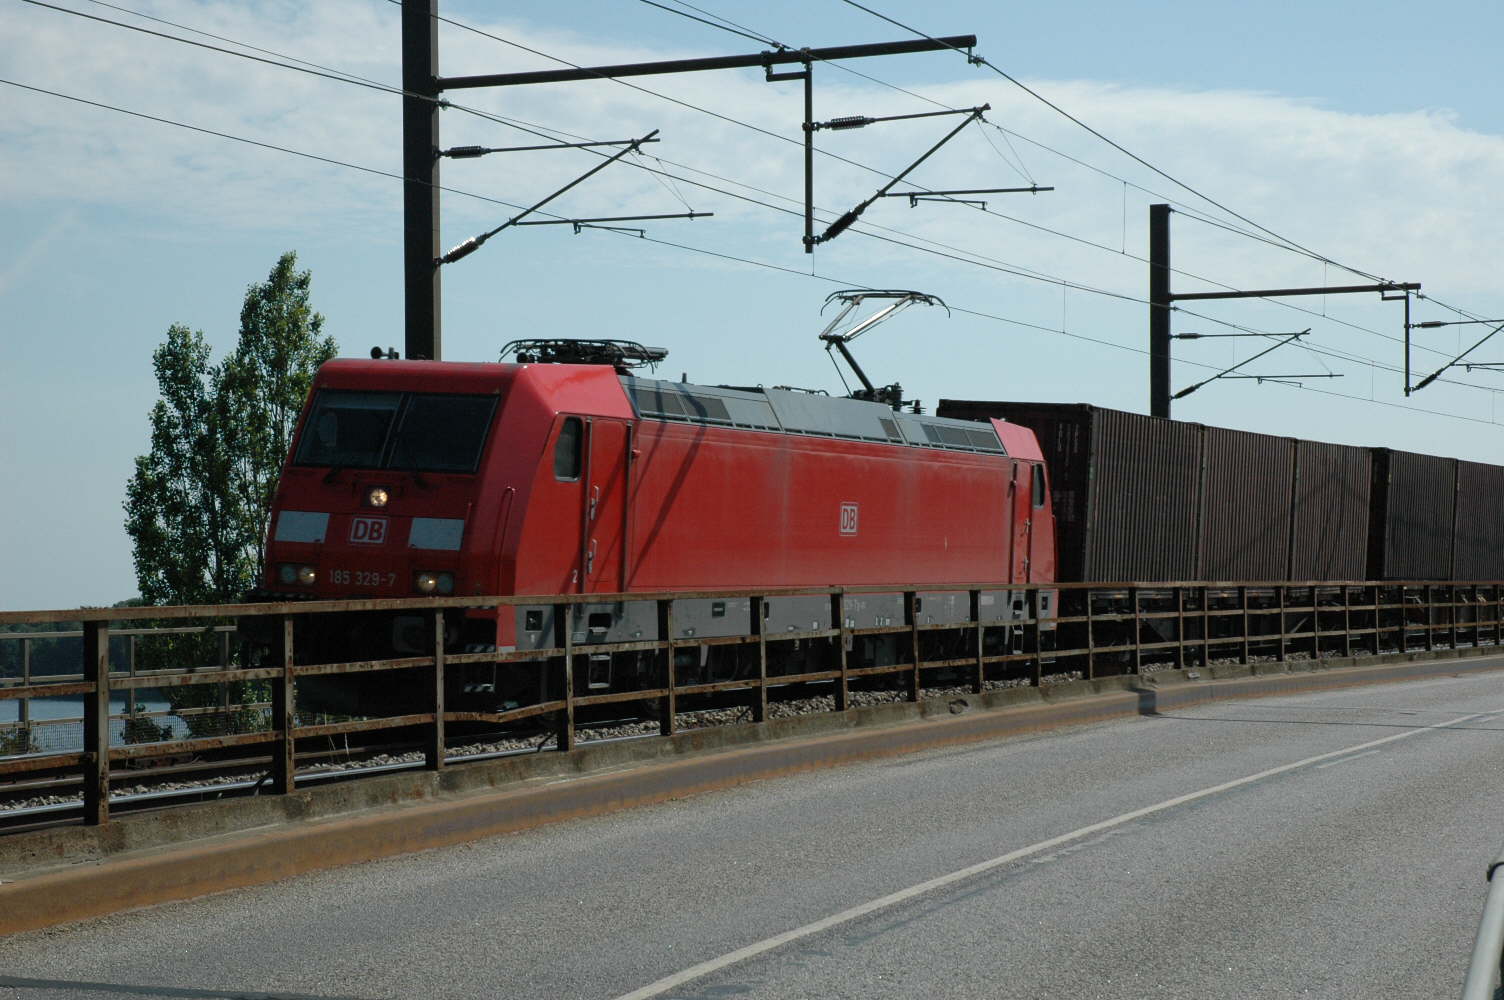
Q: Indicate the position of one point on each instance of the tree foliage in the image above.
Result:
(197, 505)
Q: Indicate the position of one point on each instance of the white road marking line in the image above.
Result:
(892, 899)
(1344, 760)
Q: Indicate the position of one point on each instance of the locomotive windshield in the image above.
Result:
(426, 432)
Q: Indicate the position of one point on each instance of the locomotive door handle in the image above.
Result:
(590, 559)
(595, 500)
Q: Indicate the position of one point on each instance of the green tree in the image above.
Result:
(180, 507)
(197, 505)
(262, 387)
(198, 502)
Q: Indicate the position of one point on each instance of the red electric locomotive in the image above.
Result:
(410, 478)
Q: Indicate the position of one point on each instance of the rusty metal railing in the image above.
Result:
(1050, 632)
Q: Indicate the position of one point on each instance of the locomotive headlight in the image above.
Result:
(435, 583)
(307, 575)
(287, 573)
(378, 496)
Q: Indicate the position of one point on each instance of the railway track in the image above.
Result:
(200, 780)
(35, 803)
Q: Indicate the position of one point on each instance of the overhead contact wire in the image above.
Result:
(340, 76)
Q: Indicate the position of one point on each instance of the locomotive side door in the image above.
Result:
(1020, 523)
(603, 517)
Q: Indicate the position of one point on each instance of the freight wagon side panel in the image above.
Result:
(1480, 522)
(1246, 509)
(1330, 513)
(1145, 517)
(1414, 512)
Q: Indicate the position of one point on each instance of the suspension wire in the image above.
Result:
(1050, 330)
(1284, 241)
(980, 61)
(340, 76)
(377, 84)
(722, 27)
(1013, 269)
(319, 72)
(343, 77)
(1018, 168)
(724, 24)
(268, 145)
(1046, 229)
(662, 242)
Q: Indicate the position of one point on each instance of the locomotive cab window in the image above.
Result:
(1039, 486)
(426, 432)
(568, 449)
(442, 433)
(348, 428)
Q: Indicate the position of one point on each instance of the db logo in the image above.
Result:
(368, 530)
(848, 518)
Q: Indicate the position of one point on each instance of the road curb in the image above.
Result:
(462, 808)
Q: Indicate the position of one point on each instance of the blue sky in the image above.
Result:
(1367, 133)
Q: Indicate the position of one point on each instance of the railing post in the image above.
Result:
(1091, 635)
(1282, 629)
(1347, 621)
(1428, 597)
(1403, 640)
(670, 706)
(433, 751)
(1315, 626)
(1243, 604)
(130, 694)
(1206, 628)
(1180, 627)
(843, 643)
(979, 681)
(24, 709)
(1031, 636)
(284, 767)
(760, 696)
(911, 619)
(1452, 614)
(1138, 633)
(1498, 614)
(564, 639)
(97, 723)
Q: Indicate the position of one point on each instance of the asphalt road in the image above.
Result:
(1328, 845)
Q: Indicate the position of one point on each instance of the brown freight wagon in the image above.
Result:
(1141, 498)
(1436, 518)
(1479, 533)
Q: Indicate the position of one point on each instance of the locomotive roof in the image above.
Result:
(805, 413)
(450, 376)
(763, 409)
